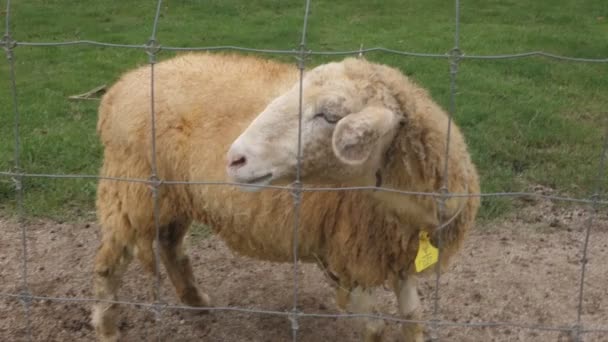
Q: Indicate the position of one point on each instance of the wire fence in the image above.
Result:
(152, 48)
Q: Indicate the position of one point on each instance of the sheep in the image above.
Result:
(362, 124)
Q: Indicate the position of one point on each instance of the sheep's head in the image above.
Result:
(351, 111)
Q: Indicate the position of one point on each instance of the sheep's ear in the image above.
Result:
(400, 87)
(358, 135)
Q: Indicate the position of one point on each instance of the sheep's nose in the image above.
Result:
(237, 161)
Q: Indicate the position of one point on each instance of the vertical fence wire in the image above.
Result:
(453, 60)
(25, 294)
(152, 49)
(297, 192)
(596, 192)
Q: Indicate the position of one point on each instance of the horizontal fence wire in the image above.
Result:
(295, 52)
(597, 199)
(303, 314)
(152, 48)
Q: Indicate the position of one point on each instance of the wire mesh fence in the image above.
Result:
(152, 47)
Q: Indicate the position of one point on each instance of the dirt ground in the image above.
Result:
(524, 269)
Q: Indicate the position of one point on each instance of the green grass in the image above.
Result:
(528, 121)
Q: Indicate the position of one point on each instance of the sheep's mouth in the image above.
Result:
(259, 182)
(265, 179)
(254, 184)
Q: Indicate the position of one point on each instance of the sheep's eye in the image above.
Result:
(329, 118)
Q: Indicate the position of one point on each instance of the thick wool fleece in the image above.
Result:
(203, 102)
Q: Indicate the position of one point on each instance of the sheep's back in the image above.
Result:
(201, 103)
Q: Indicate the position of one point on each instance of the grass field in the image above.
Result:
(528, 121)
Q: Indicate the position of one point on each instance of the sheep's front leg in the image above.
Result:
(409, 307)
(342, 297)
(363, 301)
(179, 267)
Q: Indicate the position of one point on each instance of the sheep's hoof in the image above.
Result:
(194, 313)
(103, 319)
(373, 337)
(109, 338)
(413, 333)
(374, 331)
(196, 300)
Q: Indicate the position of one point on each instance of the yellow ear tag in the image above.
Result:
(427, 253)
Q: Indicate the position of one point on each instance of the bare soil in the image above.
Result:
(524, 269)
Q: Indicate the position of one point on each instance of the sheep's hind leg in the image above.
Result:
(363, 301)
(111, 262)
(144, 252)
(178, 265)
(409, 307)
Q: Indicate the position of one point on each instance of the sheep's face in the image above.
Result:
(348, 120)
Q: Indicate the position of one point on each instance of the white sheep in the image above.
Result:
(362, 124)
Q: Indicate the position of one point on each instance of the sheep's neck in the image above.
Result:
(405, 167)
